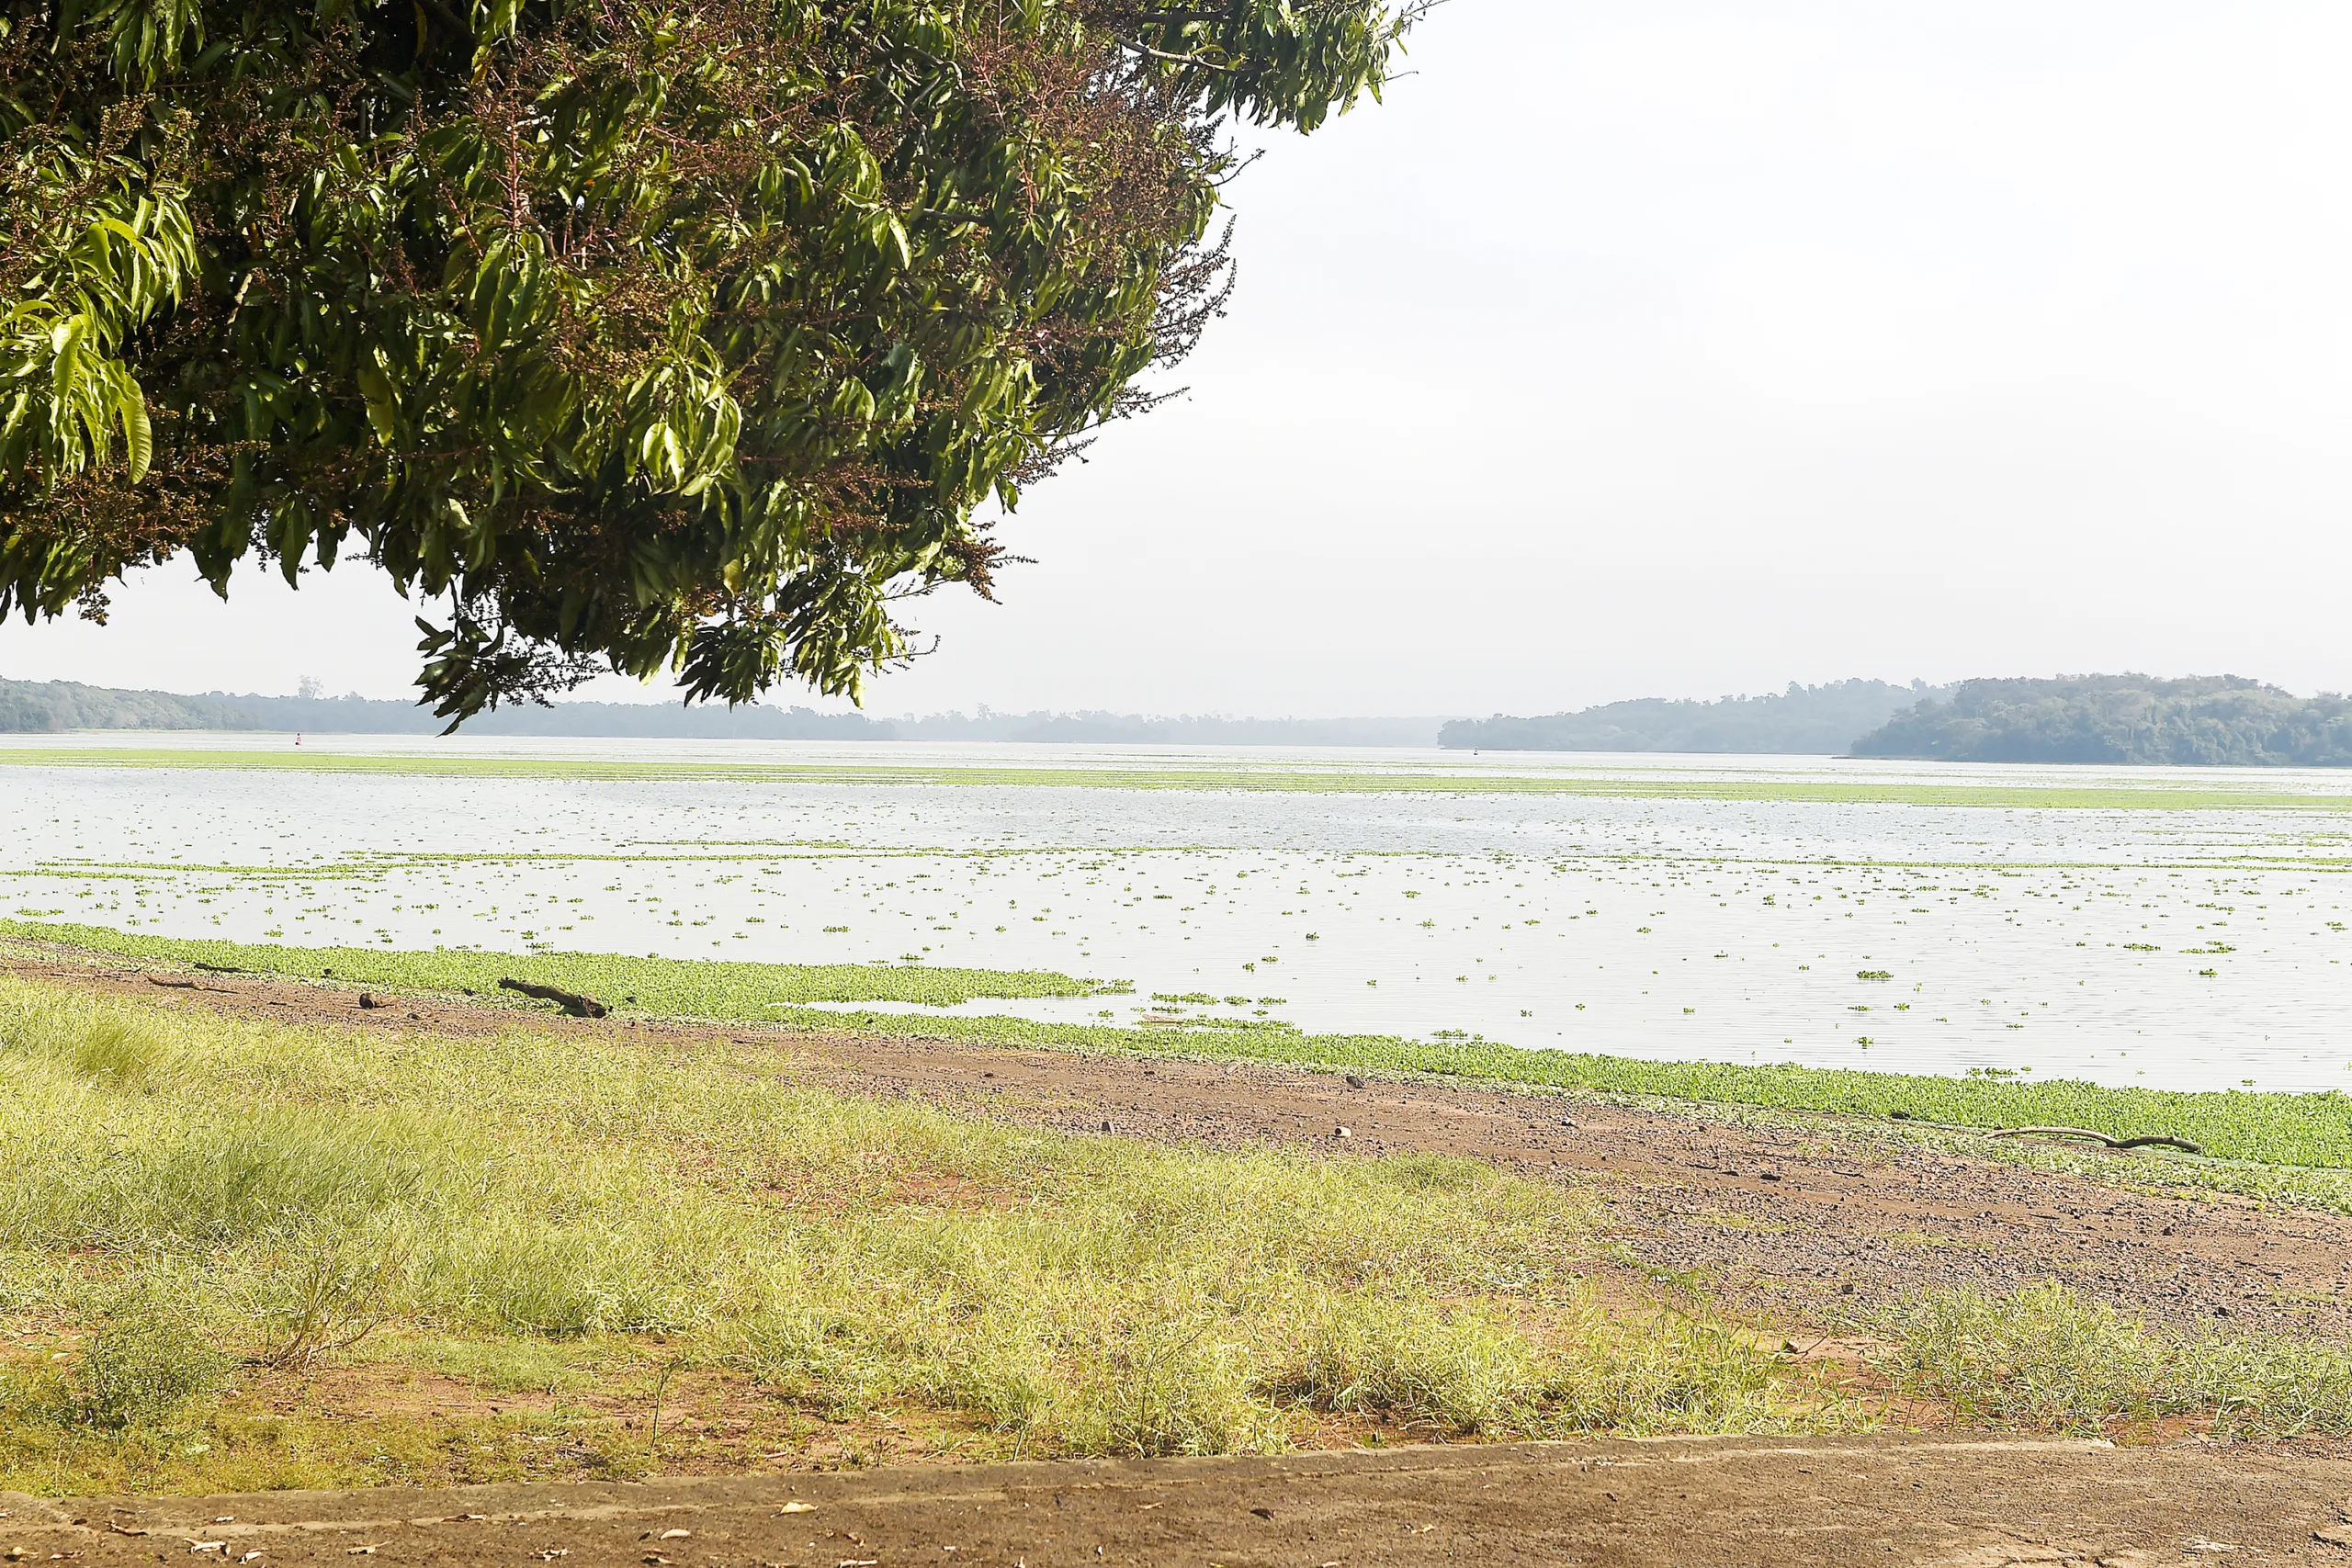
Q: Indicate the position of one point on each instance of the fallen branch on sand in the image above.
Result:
(175, 984)
(2147, 1141)
(573, 1002)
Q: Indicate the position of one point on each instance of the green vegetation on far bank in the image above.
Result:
(48, 706)
(2215, 721)
(1595, 782)
(685, 987)
(1804, 719)
(2310, 1131)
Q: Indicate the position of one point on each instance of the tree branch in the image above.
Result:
(1151, 54)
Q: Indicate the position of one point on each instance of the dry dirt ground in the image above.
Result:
(1692, 1502)
(1798, 1223)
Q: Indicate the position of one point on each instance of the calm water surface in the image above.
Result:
(2177, 948)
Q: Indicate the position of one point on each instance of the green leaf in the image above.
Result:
(137, 434)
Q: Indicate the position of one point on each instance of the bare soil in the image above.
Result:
(1692, 1502)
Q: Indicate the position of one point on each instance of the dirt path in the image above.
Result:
(1798, 1224)
(1692, 1503)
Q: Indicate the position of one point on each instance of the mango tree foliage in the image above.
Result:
(641, 333)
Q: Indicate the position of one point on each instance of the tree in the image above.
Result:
(2201, 720)
(647, 333)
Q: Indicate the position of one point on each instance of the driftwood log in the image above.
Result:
(2147, 1141)
(571, 1002)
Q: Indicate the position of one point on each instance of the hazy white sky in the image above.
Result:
(1656, 347)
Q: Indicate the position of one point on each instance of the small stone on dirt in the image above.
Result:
(1354, 1082)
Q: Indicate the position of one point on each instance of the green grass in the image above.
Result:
(2164, 796)
(2297, 1131)
(238, 1256)
(2044, 1356)
(683, 988)
(226, 1240)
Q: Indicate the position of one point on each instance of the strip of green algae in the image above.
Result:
(2166, 796)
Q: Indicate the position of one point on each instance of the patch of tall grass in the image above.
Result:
(304, 1198)
(2044, 1356)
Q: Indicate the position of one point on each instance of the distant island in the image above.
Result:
(2209, 720)
(1802, 720)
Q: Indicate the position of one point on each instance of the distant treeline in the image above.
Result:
(2123, 718)
(38, 707)
(1804, 719)
(655, 721)
(48, 706)
(1126, 728)
(2090, 718)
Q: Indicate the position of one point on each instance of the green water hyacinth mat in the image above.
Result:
(2311, 1132)
(652, 987)
(2166, 796)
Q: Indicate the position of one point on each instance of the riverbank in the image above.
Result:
(2264, 1144)
(439, 1241)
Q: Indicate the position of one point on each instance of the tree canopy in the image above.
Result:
(1801, 719)
(641, 333)
(2127, 718)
